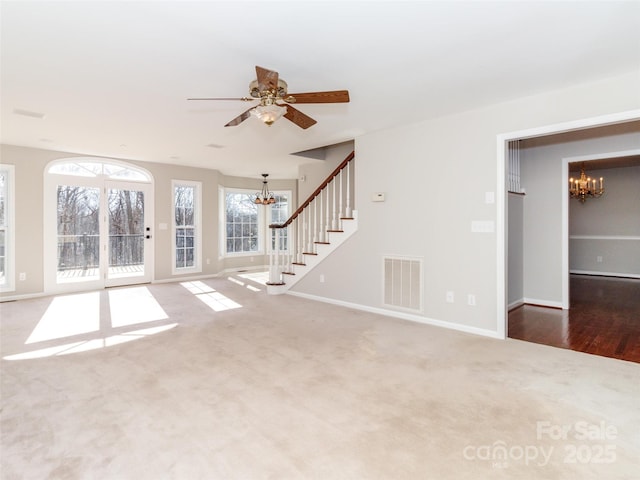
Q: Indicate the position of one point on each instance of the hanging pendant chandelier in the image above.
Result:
(264, 197)
(585, 187)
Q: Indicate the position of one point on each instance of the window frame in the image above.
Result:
(271, 234)
(264, 220)
(9, 284)
(197, 216)
(223, 225)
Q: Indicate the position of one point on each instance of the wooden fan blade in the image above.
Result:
(267, 79)
(240, 118)
(242, 99)
(335, 96)
(299, 118)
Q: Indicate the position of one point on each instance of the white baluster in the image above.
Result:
(340, 211)
(315, 223)
(273, 265)
(348, 211)
(334, 225)
(309, 231)
(300, 243)
(327, 225)
(321, 235)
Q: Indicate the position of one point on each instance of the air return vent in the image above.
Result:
(403, 282)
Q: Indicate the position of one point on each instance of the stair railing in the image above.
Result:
(310, 225)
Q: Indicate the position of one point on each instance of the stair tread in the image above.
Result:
(322, 243)
(301, 264)
(309, 253)
(335, 231)
(347, 218)
(288, 273)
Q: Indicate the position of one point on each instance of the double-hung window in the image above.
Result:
(242, 223)
(187, 229)
(278, 215)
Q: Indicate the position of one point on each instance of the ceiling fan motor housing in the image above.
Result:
(254, 90)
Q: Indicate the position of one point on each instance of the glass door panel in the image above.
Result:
(127, 236)
(78, 233)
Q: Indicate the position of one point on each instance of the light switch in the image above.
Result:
(377, 197)
(489, 197)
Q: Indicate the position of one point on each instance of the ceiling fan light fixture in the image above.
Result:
(269, 113)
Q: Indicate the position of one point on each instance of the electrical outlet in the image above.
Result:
(471, 299)
(599, 259)
(449, 297)
(321, 278)
(22, 276)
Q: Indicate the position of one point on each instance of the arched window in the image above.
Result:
(87, 167)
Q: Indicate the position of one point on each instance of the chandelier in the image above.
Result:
(264, 197)
(584, 187)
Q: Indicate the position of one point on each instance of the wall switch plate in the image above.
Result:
(599, 259)
(471, 299)
(321, 278)
(449, 297)
(377, 197)
(489, 197)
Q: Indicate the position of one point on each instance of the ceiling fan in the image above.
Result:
(275, 100)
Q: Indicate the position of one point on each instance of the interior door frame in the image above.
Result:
(502, 145)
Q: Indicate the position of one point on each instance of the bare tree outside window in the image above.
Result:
(78, 228)
(241, 223)
(185, 219)
(279, 215)
(126, 228)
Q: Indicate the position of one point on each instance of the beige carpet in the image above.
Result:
(242, 385)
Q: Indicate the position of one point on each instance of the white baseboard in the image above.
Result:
(515, 304)
(222, 273)
(404, 316)
(542, 303)
(605, 274)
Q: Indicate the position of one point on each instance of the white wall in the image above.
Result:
(435, 175)
(316, 171)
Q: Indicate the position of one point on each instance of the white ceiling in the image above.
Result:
(112, 78)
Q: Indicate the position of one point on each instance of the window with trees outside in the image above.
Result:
(280, 214)
(187, 229)
(242, 224)
(245, 222)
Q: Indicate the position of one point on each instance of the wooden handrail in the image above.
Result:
(317, 191)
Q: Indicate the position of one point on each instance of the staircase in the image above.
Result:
(319, 226)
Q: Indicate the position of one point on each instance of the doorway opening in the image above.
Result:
(558, 274)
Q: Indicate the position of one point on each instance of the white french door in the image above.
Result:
(99, 233)
(128, 241)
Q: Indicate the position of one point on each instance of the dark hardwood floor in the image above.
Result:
(603, 319)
